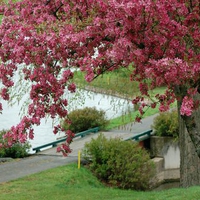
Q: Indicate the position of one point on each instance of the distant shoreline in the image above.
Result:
(106, 92)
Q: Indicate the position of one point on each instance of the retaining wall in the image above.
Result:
(166, 156)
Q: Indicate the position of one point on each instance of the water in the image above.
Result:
(113, 107)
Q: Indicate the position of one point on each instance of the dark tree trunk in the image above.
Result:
(190, 162)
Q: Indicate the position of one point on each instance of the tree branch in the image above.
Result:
(103, 71)
(57, 9)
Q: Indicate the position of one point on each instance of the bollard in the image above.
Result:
(79, 159)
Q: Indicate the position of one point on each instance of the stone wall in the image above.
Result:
(167, 148)
(166, 156)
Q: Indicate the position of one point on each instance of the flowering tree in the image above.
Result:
(44, 38)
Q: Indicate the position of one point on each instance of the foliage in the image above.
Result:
(166, 124)
(119, 163)
(17, 150)
(84, 119)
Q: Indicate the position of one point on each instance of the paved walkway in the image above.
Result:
(50, 159)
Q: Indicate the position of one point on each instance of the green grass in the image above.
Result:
(70, 183)
(130, 117)
(113, 82)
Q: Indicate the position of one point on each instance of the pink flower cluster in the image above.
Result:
(20, 133)
(187, 106)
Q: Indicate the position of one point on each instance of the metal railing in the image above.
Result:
(54, 144)
(141, 136)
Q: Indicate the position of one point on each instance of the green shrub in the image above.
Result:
(17, 150)
(119, 163)
(83, 119)
(166, 124)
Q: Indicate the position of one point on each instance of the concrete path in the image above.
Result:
(48, 159)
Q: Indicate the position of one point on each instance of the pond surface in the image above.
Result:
(113, 107)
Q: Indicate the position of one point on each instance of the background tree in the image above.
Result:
(159, 38)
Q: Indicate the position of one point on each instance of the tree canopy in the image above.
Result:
(45, 39)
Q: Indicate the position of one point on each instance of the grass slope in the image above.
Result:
(114, 83)
(70, 183)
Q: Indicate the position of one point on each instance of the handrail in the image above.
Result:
(138, 137)
(54, 144)
(141, 136)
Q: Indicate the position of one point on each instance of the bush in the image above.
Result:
(17, 150)
(84, 119)
(166, 124)
(119, 163)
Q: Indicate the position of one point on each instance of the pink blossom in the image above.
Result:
(70, 135)
(187, 106)
(163, 108)
(1, 107)
(4, 94)
(153, 105)
(72, 87)
(138, 119)
(31, 134)
(89, 77)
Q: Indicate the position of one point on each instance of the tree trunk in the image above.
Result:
(190, 162)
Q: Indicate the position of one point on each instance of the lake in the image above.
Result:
(113, 107)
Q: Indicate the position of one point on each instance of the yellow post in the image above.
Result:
(108, 80)
(79, 159)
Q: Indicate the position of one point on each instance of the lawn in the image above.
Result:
(130, 117)
(70, 183)
(114, 83)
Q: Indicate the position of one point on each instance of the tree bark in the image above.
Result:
(190, 162)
